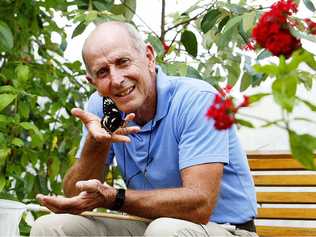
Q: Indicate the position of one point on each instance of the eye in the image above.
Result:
(102, 72)
(123, 61)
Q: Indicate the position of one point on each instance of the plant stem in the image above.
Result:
(261, 119)
(162, 24)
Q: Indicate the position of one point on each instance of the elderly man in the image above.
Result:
(179, 171)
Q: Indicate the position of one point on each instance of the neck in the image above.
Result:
(148, 110)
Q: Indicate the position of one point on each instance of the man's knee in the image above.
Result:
(63, 225)
(44, 226)
(173, 227)
(159, 227)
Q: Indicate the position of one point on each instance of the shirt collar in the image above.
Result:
(164, 92)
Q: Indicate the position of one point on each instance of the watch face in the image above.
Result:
(112, 117)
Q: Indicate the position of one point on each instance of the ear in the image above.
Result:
(90, 79)
(150, 55)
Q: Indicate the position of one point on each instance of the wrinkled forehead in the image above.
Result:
(107, 38)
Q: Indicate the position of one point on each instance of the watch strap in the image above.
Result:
(119, 199)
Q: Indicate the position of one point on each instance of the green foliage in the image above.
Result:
(309, 4)
(189, 42)
(38, 88)
(303, 147)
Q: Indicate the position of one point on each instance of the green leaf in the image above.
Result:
(54, 167)
(175, 69)
(233, 73)
(79, 29)
(264, 54)
(244, 123)
(302, 35)
(37, 140)
(22, 72)
(8, 89)
(269, 69)
(270, 123)
(248, 20)
(245, 81)
(189, 42)
(28, 182)
(4, 153)
(130, 6)
(156, 43)
(309, 4)
(24, 108)
(2, 182)
(4, 119)
(302, 147)
(29, 126)
(5, 100)
(232, 23)
(256, 97)
(311, 106)
(209, 20)
(222, 23)
(284, 90)
(6, 37)
(17, 142)
(103, 5)
(192, 72)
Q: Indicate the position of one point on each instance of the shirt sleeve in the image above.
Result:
(95, 106)
(199, 141)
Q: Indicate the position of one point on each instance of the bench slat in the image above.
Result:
(287, 197)
(263, 231)
(274, 164)
(287, 213)
(285, 180)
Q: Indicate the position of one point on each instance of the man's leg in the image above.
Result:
(181, 228)
(176, 227)
(75, 225)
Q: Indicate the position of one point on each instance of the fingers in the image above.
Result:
(55, 204)
(129, 117)
(88, 185)
(84, 116)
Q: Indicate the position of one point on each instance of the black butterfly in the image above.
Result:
(112, 117)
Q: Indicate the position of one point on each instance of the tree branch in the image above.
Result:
(189, 20)
(162, 26)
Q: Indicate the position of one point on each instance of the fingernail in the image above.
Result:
(79, 184)
(40, 196)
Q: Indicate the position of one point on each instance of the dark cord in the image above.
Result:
(204, 230)
(148, 160)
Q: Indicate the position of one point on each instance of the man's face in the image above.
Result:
(120, 71)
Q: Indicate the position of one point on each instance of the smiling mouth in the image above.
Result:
(126, 92)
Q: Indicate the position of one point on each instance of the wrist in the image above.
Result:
(93, 142)
(119, 199)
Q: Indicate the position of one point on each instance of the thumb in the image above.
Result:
(84, 116)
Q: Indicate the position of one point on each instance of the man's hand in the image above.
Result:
(93, 124)
(93, 194)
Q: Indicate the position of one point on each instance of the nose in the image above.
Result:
(117, 78)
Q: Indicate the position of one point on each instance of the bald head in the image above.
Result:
(116, 30)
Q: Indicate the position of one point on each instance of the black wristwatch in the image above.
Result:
(119, 199)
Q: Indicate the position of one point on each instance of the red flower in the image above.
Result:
(311, 26)
(166, 47)
(272, 31)
(223, 109)
(249, 46)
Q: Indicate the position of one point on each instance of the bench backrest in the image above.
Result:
(286, 194)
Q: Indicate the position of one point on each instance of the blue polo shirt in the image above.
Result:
(180, 136)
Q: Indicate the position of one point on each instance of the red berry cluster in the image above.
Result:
(223, 109)
(311, 26)
(272, 31)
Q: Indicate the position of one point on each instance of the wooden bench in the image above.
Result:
(286, 194)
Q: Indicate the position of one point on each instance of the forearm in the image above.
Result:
(92, 165)
(183, 203)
